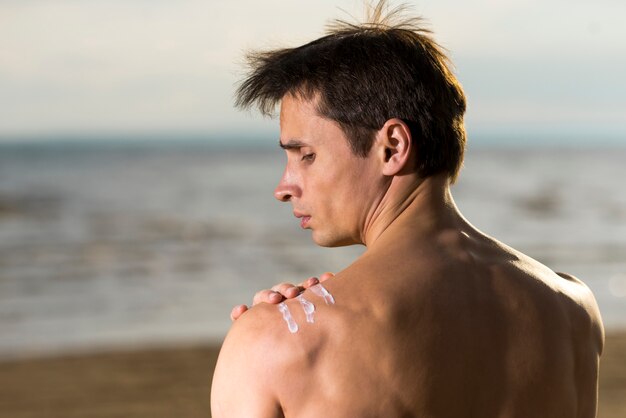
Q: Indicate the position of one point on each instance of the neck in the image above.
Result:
(422, 206)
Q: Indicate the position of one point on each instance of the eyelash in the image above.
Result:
(308, 157)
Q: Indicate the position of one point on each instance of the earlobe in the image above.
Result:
(396, 140)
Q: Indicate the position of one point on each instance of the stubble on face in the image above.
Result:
(328, 181)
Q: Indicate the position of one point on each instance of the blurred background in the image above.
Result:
(136, 203)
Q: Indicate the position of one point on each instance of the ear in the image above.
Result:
(394, 140)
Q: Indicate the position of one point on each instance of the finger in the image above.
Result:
(326, 276)
(311, 281)
(288, 290)
(267, 296)
(237, 312)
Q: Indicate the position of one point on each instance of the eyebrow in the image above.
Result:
(292, 144)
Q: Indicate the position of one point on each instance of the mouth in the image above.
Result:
(304, 219)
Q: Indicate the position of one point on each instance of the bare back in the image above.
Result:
(469, 329)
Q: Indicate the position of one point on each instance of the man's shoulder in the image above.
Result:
(574, 303)
(585, 312)
(268, 333)
(249, 362)
(576, 290)
(256, 330)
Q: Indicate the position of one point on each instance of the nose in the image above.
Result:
(286, 188)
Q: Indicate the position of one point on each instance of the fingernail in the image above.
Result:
(275, 296)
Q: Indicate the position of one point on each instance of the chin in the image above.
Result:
(332, 240)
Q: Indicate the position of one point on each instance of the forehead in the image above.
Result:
(294, 107)
(299, 120)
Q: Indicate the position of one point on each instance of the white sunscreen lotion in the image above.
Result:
(308, 308)
(291, 324)
(321, 291)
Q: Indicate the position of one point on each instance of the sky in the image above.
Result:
(541, 69)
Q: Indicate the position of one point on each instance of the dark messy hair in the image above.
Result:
(365, 74)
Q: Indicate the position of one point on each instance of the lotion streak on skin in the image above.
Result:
(308, 309)
(307, 306)
(291, 324)
(321, 291)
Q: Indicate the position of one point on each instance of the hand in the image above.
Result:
(278, 293)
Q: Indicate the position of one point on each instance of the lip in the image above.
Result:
(304, 219)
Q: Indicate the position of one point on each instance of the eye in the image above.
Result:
(308, 157)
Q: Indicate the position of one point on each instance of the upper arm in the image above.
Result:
(242, 383)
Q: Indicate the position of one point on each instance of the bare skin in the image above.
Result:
(278, 293)
(435, 319)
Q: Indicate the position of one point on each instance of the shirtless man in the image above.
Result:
(435, 319)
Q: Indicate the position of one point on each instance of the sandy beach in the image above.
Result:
(176, 382)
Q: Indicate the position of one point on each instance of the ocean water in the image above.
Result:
(124, 245)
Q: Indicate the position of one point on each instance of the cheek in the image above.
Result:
(362, 180)
(350, 193)
(342, 191)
